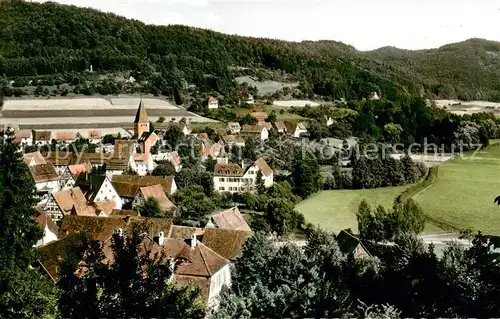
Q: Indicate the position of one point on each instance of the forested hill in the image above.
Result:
(49, 38)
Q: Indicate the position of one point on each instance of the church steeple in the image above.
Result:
(141, 122)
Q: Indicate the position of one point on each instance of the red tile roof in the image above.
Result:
(231, 219)
(228, 170)
(157, 192)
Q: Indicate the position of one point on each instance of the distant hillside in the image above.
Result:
(49, 38)
(468, 70)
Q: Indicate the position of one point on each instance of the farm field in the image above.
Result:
(463, 193)
(335, 210)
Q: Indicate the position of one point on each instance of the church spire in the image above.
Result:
(141, 116)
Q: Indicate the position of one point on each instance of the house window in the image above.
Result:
(241, 189)
(221, 188)
(251, 172)
(222, 179)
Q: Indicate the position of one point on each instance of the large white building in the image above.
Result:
(233, 178)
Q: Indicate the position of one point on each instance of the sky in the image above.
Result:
(367, 25)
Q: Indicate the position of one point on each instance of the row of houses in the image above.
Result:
(39, 138)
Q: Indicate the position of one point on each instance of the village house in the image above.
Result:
(259, 116)
(73, 202)
(122, 159)
(50, 229)
(233, 178)
(70, 175)
(156, 192)
(295, 129)
(98, 188)
(349, 243)
(127, 186)
(42, 138)
(202, 255)
(267, 125)
(146, 142)
(33, 158)
(182, 125)
(60, 160)
(259, 131)
(94, 136)
(46, 179)
(280, 127)
(208, 148)
(232, 140)
(213, 103)
(233, 128)
(229, 219)
(65, 138)
(23, 137)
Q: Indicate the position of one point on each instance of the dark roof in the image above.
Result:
(102, 228)
(43, 173)
(348, 242)
(42, 135)
(141, 116)
(128, 185)
(226, 242)
(228, 170)
(90, 184)
(144, 136)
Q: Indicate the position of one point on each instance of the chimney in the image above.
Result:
(193, 241)
(161, 238)
(243, 163)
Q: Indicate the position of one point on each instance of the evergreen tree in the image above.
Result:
(136, 285)
(23, 292)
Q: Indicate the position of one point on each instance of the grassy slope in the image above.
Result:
(464, 191)
(336, 210)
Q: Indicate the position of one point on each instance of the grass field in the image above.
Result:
(463, 193)
(336, 210)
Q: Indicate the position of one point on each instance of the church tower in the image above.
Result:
(141, 123)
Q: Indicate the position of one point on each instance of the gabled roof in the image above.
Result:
(65, 136)
(212, 99)
(263, 166)
(175, 159)
(228, 170)
(36, 156)
(61, 158)
(157, 192)
(71, 201)
(226, 242)
(231, 219)
(102, 228)
(233, 125)
(76, 170)
(43, 173)
(230, 139)
(252, 129)
(280, 126)
(42, 219)
(146, 135)
(128, 185)
(43, 135)
(348, 242)
(260, 116)
(182, 232)
(23, 134)
(267, 125)
(141, 116)
(90, 184)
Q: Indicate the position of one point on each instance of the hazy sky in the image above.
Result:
(365, 24)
